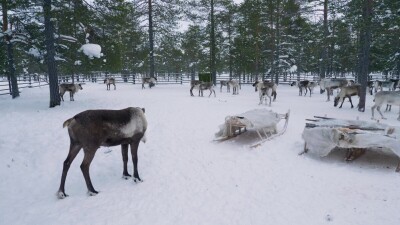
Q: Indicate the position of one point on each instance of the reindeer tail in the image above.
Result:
(67, 122)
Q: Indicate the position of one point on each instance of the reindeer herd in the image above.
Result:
(268, 90)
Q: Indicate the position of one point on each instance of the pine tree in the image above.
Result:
(50, 61)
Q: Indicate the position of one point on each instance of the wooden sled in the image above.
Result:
(263, 122)
(322, 135)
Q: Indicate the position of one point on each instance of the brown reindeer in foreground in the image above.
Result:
(94, 128)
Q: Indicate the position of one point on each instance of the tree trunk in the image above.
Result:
(50, 61)
(324, 54)
(151, 39)
(212, 47)
(277, 42)
(365, 41)
(10, 53)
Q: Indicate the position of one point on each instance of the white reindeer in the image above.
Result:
(389, 97)
(235, 86)
(264, 90)
(329, 84)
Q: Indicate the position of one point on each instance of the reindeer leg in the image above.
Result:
(328, 93)
(269, 100)
(134, 149)
(191, 91)
(71, 96)
(87, 160)
(398, 118)
(379, 110)
(342, 101)
(310, 91)
(350, 101)
(372, 110)
(124, 151)
(73, 151)
(398, 167)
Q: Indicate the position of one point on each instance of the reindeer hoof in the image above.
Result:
(61, 195)
(126, 177)
(92, 193)
(137, 180)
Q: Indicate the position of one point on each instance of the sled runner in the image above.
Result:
(322, 135)
(264, 122)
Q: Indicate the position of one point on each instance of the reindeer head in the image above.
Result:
(255, 85)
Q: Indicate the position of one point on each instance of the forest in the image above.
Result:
(260, 38)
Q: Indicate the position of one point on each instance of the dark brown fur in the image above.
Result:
(94, 128)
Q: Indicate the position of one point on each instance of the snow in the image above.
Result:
(91, 50)
(188, 178)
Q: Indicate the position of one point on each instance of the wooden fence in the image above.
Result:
(35, 80)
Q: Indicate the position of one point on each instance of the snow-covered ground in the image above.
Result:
(188, 178)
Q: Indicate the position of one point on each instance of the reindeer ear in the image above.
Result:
(143, 110)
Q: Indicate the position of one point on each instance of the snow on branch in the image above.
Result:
(91, 50)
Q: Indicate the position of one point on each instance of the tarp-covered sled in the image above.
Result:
(322, 135)
(264, 122)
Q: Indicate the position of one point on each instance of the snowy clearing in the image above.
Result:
(188, 178)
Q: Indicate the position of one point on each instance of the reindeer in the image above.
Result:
(149, 80)
(235, 86)
(194, 84)
(347, 91)
(330, 84)
(71, 88)
(390, 84)
(389, 97)
(109, 81)
(224, 83)
(264, 88)
(370, 87)
(94, 128)
(305, 84)
(206, 86)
